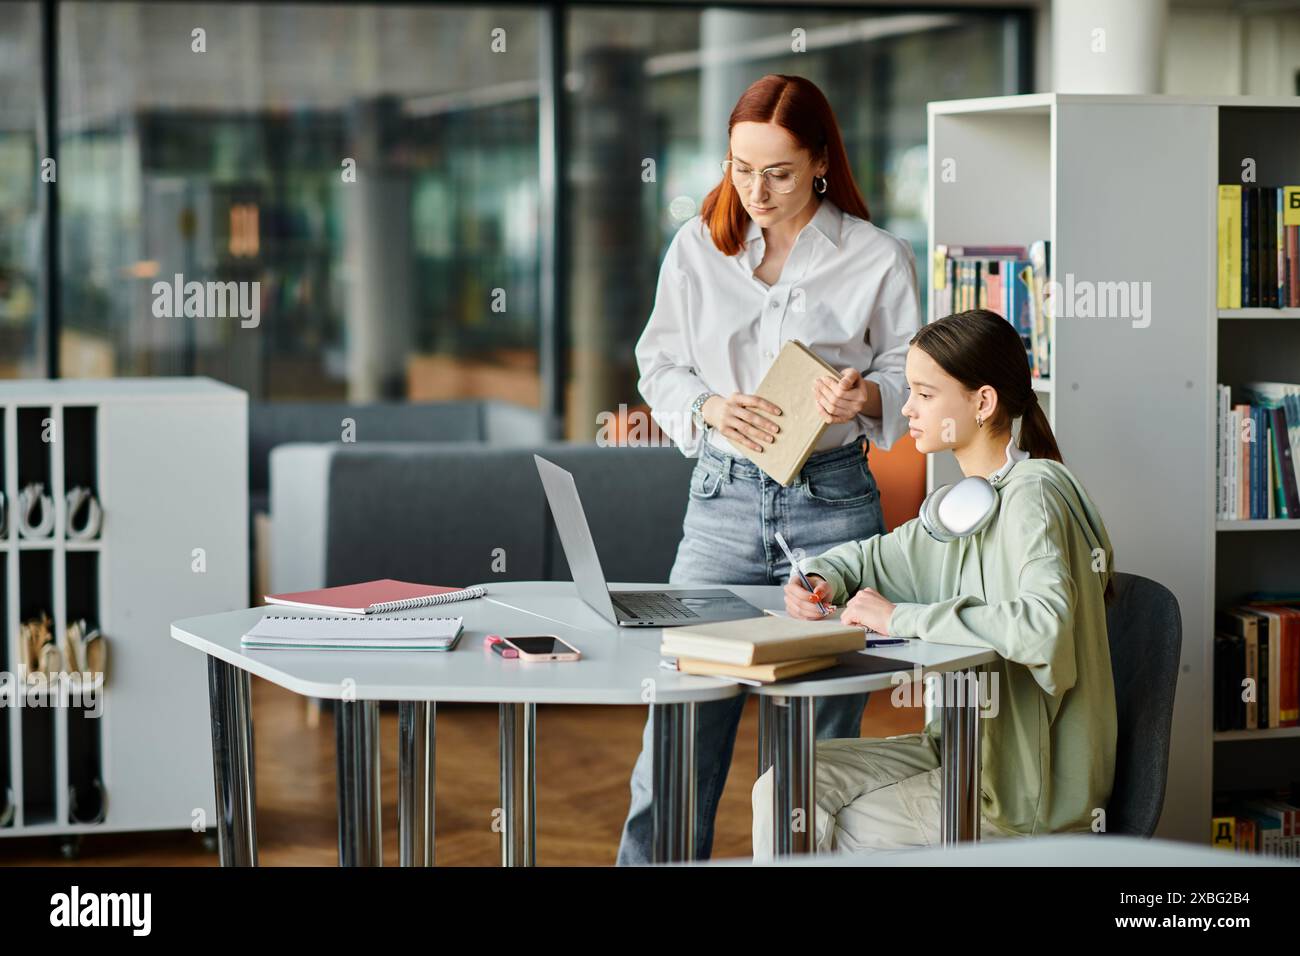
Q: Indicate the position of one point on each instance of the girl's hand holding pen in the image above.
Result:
(801, 603)
(742, 419)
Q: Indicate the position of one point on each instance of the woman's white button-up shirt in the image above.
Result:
(848, 291)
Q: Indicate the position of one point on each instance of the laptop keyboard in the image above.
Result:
(644, 605)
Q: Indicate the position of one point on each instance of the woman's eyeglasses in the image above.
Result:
(779, 179)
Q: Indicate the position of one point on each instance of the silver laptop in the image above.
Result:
(626, 608)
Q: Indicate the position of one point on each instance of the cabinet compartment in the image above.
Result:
(8, 688)
(80, 451)
(87, 802)
(36, 715)
(82, 583)
(6, 522)
(35, 425)
(34, 433)
(86, 798)
(38, 764)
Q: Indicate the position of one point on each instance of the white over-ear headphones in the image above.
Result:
(959, 510)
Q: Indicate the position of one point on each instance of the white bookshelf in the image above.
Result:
(167, 459)
(1124, 187)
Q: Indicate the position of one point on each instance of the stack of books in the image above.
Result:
(1268, 825)
(1257, 665)
(1259, 247)
(1258, 445)
(760, 650)
(1008, 280)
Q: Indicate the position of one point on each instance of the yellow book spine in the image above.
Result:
(1229, 285)
(1221, 835)
(1291, 206)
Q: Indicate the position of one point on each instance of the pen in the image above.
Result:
(789, 556)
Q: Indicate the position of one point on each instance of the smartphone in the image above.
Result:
(543, 647)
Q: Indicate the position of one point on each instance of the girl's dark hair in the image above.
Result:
(796, 105)
(980, 347)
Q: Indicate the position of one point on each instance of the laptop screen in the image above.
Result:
(575, 536)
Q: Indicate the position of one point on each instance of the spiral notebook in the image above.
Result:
(275, 631)
(375, 597)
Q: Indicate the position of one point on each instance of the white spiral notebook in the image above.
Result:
(275, 631)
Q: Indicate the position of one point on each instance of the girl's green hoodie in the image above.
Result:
(1030, 587)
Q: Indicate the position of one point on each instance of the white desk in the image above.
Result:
(618, 666)
(787, 724)
(613, 670)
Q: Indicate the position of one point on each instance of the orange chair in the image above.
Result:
(900, 476)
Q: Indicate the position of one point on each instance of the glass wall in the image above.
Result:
(342, 200)
(22, 240)
(660, 85)
(365, 176)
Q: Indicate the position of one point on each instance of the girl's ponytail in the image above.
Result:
(1035, 432)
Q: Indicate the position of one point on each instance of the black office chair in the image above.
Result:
(1145, 631)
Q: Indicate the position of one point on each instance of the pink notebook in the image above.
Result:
(375, 597)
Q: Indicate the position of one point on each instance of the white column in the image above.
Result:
(1108, 46)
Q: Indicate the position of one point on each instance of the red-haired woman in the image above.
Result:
(782, 249)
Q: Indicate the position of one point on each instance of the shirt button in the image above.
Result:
(768, 353)
(775, 304)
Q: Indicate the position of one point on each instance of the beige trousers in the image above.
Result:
(872, 794)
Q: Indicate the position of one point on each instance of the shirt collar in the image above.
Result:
(828, 221)
(1014, 455)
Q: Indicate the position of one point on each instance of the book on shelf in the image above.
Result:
(1257, 666)
(1266, 824)
(1258, 247)
(1257, 447)
(1009, 280)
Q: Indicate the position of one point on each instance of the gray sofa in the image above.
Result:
(437, 512)
(271, 424)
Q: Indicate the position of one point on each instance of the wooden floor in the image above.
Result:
(584, 759)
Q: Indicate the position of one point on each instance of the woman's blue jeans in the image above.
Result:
(733, 513)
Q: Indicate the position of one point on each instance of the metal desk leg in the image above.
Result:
(794, 790)
(518, 784)
(766, 725)
(230, 705)
(960, 791)
(416, 733)
(673, 809)
(357, 751)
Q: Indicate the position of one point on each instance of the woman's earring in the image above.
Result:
(979, 420)
(823, 187)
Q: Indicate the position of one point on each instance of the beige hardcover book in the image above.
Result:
(761, 640)
(767, 673)
(788, 385)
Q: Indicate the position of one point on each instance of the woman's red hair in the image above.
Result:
(797, 106)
